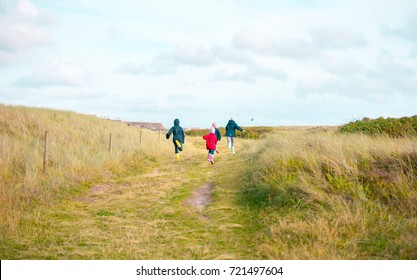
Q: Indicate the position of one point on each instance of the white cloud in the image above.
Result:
(413, 52)
(250, 74)
(239, 76)
(396, 76)
(265, 53)
(386, 67)
(337, 36)
(156, 67)
(17, 35)
(258, 41)
(341, 64)
(167, 62)
(296, 48)
(230, 54)
(255, 40)
(61, 72)
(377, 82)
(22, 27)
(188, 54)
(407, 31)
(115, 31)
(26, 8)
(6, 57)
(314, 85)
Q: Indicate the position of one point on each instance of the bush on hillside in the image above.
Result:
(395, 127)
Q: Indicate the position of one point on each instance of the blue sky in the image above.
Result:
(276, 62)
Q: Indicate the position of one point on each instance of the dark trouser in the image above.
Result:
(177, 149)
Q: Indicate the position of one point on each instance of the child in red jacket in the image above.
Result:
(211, 142)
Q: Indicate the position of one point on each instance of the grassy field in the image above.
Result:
(323, 195)
(305, 193)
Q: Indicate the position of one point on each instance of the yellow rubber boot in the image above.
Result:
(177, 156)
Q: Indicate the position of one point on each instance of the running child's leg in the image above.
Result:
(177, 153)
(229, 142)
(211, 156)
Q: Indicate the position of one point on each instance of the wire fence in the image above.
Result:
(111, 139)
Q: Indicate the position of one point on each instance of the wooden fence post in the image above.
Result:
(110, 143)
(45, 152)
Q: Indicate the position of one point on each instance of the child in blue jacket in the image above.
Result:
(230, 134)
(178, 137)
(218, 134)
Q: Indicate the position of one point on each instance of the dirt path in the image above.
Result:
(201, 197)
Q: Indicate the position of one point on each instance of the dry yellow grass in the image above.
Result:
(304, 193)
(125, 205)
(77, 154)
(328, 195)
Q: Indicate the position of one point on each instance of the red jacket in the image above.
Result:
(211, 141)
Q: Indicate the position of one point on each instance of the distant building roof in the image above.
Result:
(148, 125)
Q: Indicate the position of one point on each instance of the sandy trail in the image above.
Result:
(201, 197)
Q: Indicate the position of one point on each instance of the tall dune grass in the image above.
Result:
(326, 195)
(77, 155)
(301, 193)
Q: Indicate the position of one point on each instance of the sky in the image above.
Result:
(264, 63)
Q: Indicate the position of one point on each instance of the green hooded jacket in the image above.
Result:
(231, 127)
(218, 134)
(177, 131)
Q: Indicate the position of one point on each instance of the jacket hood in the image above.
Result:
(176, 122)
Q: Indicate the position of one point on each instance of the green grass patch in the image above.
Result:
(105, 213)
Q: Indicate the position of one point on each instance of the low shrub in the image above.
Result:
(395, 127)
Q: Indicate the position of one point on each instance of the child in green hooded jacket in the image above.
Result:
(178, 137)
(230, 134)
(218, 134)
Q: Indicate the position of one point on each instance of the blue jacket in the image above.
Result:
(177, 131)
(231, 127)
(218, 134)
